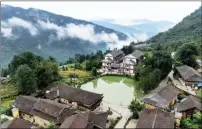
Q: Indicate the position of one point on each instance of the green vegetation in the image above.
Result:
(186, 54)
(3, 120)
(194, 123)
(26, 80)
(114, 122)
(135, 107)
(153, 69)
(29, 73)
(187, 31)
(94, 72)
(199, 94)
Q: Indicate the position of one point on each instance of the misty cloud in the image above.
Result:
(39, 46)
(84, 32)
(141, 36)
(7, 32)
(14, 21)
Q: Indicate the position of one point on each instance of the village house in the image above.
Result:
(188, 106)
(131, 60)
(188, 76)
(41, 111)
(116, 62)
(112, 61)
(82, 99)
(156, 119)
(87, 119)
(16, 124)
(161, 97)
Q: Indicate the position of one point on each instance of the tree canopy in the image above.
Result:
(186, 54)
(25, 79)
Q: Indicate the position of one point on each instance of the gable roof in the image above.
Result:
(86, 120)
(51, 111)
(137, 53)
(189, 103)
(189, 73)
(44, 108)
(25, 103)
(115, 53)
(161, 96)
(76, 95)
(155, 118)
(17, 123)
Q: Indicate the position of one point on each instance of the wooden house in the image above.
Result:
(188, 76)
(188, 106)
(41, 111)
(161, 97)
(81, 99)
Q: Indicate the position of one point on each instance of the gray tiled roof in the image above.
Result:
(25, 103)
(189, 103)
(17, 123)
(76, 95)
(86, 119)
(137, 53)
(155, 118)
(161, 96)
(188, 73)
(116, 53)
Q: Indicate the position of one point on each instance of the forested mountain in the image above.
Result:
(188, 30)
(47, 34)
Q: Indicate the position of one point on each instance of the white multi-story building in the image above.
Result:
(117, 63)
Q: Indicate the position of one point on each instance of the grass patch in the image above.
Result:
(7, 90)
(80, 73)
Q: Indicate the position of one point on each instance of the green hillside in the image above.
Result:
(188, 30)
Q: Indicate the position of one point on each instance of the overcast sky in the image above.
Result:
(122, 12)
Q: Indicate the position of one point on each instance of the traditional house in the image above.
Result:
(82, 99)
(41, 111)
(156, 118)
(88, 119)
(130, 60)
(162, 97)
(16, 124)
(112, 60)
(188, 76)
(188, 106)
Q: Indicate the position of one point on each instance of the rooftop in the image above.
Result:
(137, 53)
(115, 53)
(75, 95)
(161, 96)
(86, 119)
(155, 118)
(17, 123)
(189, 73)
(189, 103)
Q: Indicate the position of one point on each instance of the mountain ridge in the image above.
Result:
(48, 34)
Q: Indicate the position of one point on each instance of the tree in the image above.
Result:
(195, 122)
(52, 59)
(46, 72)
(4, 72)
(163, 61)
(27, 58)
(186, 54)
(135, 107)
(25, 79)
(94, 72)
